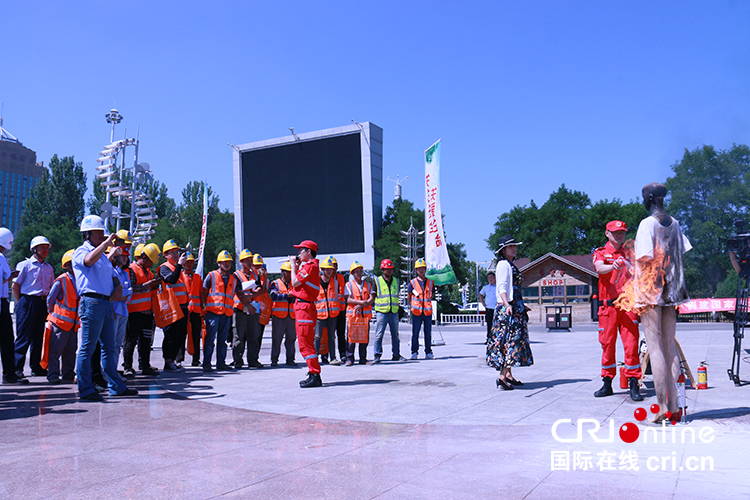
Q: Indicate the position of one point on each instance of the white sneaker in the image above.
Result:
(429, 355)
(414, 355)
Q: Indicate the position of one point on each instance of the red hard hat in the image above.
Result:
(386, 264)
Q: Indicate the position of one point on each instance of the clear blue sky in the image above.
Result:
(601, 96)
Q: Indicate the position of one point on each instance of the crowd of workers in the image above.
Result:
(77, 325)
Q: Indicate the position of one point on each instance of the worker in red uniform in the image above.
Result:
(305, 287)
(612, 262)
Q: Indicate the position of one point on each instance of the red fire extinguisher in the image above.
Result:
(623, 377)
(702, 376)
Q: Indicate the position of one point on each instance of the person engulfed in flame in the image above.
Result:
(659, 287)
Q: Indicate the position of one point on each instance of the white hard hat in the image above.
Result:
(38, 240)
(6, 238)
(92, 223)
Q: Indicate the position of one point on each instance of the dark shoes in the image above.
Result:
(635, 389)
(255, 364)
(12, 378)
(606, 389)
(94, 396)
(398, 358)
(504, 384)
(150, 371)
(127, 392)
(312, 380)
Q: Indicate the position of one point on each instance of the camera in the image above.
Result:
(740, 243)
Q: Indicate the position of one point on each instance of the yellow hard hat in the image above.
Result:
(420, 263)
(189, 256)
(224, 257)
(257, 260)
(152, 252)
(124, 234)
(286, 266)
(355, 265)
(245, 254)
(327, 263)
(67, 257)
(169, 245)
(138, 250)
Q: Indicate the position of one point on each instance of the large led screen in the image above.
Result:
(304, 190)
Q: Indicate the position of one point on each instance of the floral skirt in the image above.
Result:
(508, 344)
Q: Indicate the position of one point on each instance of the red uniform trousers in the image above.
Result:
(610, 320)
(305, 317)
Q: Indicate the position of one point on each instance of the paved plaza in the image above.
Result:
(418, 429)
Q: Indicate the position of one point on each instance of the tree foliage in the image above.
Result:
(53, 209)
(566, 224)
(397, 218)
(710, 189)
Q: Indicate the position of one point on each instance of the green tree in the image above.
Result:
(709, 190)
(54, 209)
(397, 218)
(567, 223)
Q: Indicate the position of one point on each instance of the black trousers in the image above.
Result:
(196, 332)
(174, 337)
(140, 331)
(31, 313)
(489, 315)
(7, 349)
(341, 334)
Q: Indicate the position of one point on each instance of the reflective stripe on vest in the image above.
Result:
(422, 302)
(357, 295)
(387, 298)
(65, 312)
(220, 298)
(328, 300)
(240, 275)
(141, 302)
(194, 292)
(179, 288)
(282, 309)
(342, 293)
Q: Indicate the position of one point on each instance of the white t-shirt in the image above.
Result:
(659, 272)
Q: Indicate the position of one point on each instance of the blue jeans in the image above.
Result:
(381, 319)
(121, 326)
(416, 324)
(97, 324)
(217, 329)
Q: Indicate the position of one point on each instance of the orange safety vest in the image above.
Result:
(342, 286)
(328, 300)
(422, 302)
(141, 302)
(356, 295)
(194, 285)
(243, 278)
(267, 303)
(179, 288)
(220, 298)
(65, 312)
(282, 309)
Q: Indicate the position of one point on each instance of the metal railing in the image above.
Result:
(462, 318)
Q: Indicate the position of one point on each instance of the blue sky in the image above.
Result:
(603, 96)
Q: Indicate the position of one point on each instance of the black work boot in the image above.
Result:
(306, 381)
(313, 380)
(606, 389)
(635, 389)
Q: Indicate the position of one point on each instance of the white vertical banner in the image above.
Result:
(204, 226)
(439, 267)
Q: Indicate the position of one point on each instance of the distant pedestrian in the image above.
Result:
(421, 290)
(488, 297)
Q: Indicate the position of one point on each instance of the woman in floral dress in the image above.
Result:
(508, 345)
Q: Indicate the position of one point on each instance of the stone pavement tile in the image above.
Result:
(595, 485)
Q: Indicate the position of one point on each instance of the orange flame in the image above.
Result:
(647, 284)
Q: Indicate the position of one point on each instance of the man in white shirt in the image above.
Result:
(488, 297)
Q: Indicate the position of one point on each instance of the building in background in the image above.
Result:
(19, 173)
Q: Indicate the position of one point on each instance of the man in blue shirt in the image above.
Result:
(30, 289)
(98, 288)
(488, 297)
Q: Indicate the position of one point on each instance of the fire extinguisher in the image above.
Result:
(623, 377)
(702, 376)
